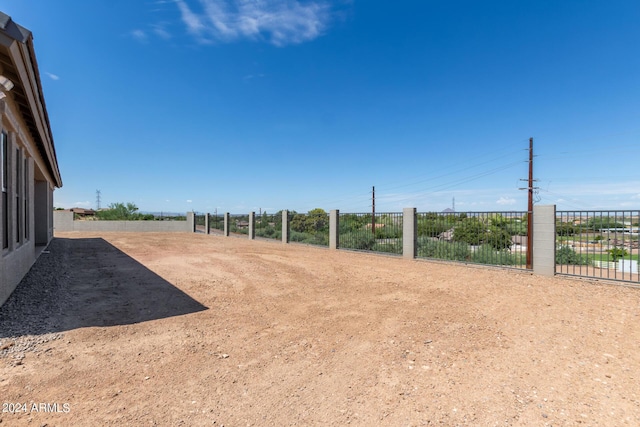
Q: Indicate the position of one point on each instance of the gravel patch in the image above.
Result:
(32, 315)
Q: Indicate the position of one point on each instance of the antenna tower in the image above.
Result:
(97, 200)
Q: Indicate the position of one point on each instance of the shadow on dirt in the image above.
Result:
(79, 283)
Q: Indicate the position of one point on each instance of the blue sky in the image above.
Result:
(243, 105)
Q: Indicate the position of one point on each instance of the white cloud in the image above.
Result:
(506, 201)
(85, 204)
(189, 201)
(636, 197)
(139, 35)
(52, 76)
(280, 22)
(190, 19)
(160, 31)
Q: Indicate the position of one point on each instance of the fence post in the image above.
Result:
(207, 229)
(226, 224)
(191, 222)
(544, 240)
(409, 233)
(252, 225)
(285, 226)
(334, 229)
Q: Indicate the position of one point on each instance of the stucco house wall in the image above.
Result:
(29, 170)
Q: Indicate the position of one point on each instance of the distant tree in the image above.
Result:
(470, 230)
(298, 223)
(598, 223)
(565, 229)
(316, 220)
(617, 253)
(498, 238)
(120, 212)
(475, 232)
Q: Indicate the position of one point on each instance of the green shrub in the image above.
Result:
(451, 251)
(393, 248)
(363, 240)
(487, 254)
(617, 253)
(566, 255)
(388, 232)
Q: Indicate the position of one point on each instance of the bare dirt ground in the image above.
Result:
(189, 329)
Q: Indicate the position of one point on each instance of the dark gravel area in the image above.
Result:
(33, 313)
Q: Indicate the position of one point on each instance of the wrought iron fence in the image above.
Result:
(493, 238)
(598, 244)
(311, 228)
(239, 224)
(216, 223)
(200, 222)
(269, 226)
(366, 232)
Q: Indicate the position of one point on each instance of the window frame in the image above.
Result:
(4, 187)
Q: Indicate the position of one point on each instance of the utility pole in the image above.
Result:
(97, 200)
(530, 189)
(373, 211)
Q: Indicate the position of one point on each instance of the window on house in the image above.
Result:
(4, 177)
(18, 198)
(26, 198)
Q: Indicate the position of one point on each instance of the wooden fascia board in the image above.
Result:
(29, 81)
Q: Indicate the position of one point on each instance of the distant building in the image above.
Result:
(28, 165)
(83, 212)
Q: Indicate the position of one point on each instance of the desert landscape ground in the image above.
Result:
(193, 330)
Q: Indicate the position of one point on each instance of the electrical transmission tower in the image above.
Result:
(97, 200)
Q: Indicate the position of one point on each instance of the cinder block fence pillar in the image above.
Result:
(334, 229)
(409, 233)
(191, 222)
(285, 226)
(544, 240)
(252, 225)
(226, 224)
(207, 229)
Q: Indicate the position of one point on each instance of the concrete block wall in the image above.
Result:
(544, 240)
(334, 229)
(63, 221)
(285, 226)
(409, 233)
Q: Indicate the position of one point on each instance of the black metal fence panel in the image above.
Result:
(200, 222)
(269, 226)
(216, 223)
(598, 244)
(381, 232)
(239, 224)
(490, 238)
(311, 228)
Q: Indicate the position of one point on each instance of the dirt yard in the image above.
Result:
(194, 330)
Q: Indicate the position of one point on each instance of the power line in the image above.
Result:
(452, 184)
(451, 172)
